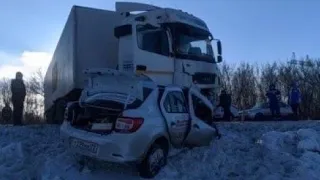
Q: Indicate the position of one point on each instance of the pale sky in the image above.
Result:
(254, 31)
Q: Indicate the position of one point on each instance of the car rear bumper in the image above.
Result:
(119, 148)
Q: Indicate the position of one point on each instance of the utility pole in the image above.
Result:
(307, 62)
(293, 59)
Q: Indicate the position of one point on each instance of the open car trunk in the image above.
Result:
(95, 119)
(107, 95)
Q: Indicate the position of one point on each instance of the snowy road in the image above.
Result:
(250, 150)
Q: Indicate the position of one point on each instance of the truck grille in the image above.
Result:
(127, 66)
(204, 78)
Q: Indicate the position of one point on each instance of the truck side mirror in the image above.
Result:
(219, 58)
(219, 49)
(123, 30)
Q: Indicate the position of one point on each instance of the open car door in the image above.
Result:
(174, 108)
(201, 111)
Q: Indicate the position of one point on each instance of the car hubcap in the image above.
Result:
(156, 160)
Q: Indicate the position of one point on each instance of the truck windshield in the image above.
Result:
(191, 43)
(196, 47)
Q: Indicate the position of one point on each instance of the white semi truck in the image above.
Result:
(167, 45)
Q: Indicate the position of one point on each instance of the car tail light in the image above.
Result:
(128, 124)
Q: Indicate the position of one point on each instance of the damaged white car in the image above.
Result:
(128, 118)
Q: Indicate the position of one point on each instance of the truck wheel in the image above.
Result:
(48, 115)
(155, 159)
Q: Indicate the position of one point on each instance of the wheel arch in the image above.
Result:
(160, 139)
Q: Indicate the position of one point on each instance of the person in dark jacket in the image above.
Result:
(225, 103)
(294, 99)
(6, 113)
(18, 91)
(274, 97)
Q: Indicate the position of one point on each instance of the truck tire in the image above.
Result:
(49, 115)
(155, 159)
(59, 108)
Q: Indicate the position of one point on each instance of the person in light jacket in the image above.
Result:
(294, 99)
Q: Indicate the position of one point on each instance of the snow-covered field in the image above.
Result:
(250, 150)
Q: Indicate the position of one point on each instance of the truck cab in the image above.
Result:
(168, 45)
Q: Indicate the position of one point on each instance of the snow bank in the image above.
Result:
(12, 161)
(251, 150)
(296, 151)
(23, 150)
(268, 151)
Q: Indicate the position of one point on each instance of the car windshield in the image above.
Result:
(259, 105)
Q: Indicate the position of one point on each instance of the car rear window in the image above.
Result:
(146, 92)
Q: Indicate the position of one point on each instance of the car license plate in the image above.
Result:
(101, 126)
(84, 146)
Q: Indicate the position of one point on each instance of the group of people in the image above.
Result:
(274, 98)
(18, 94)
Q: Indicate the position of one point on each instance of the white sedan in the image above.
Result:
(262, 111)
(218, 113)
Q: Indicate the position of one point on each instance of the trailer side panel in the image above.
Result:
(59, 79)
(96, 45)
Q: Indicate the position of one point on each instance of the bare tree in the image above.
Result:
(244, 86)
(5, 90)
(34, 103)
(269, 74)
(36, 83)
(260, 88)
(227, 74)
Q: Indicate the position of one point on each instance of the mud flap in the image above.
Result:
(58, 111)
(49, 115)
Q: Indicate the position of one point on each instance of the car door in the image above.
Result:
(285, 109)
(201, 132)
(174, 108)
(234, 111)
(265, 110)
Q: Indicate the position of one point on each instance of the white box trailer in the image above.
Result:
(87, 41)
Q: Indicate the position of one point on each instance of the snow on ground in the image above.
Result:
(250, 150)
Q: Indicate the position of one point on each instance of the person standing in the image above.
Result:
(225, 103)
(294, 99)
(274, 97)
(6, 113)
(18, 91)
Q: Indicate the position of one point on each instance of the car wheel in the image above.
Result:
(155, 159)
(259, 117)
